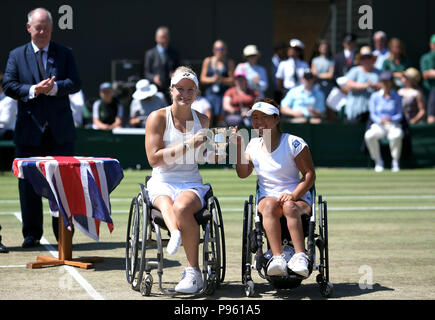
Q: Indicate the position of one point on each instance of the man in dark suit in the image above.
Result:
(161, 61)
(345, 59)
(40, 75)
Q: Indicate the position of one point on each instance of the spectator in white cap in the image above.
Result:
(256, 75)
(173, 136)
(291, 71)
(285, 173)
(146, 99)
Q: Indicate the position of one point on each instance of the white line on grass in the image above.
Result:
(73, 272)
(223, 209)
(14, 266)
(327, 197)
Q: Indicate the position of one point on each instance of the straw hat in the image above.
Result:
(251, 50)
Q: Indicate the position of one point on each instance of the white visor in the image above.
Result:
(184, 75)
(264, 107)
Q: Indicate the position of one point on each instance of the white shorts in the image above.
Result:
(306, 197)
(173, 190)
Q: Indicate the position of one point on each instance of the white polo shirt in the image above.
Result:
(277, 171)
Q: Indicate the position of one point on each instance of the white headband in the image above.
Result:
(264, 107)
(184, 75)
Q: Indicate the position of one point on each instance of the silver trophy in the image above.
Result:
(220, 141)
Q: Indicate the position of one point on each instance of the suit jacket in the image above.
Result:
(154, 65)
(33, 114)
(340, 65)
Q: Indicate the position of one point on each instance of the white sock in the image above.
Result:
(174, 242)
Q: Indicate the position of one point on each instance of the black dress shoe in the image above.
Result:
(30, 242)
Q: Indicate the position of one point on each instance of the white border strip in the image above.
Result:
(71, 270)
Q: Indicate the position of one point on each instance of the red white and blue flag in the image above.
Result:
(77, 187)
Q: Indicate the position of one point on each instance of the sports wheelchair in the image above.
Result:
(252, 244)
(144, 220)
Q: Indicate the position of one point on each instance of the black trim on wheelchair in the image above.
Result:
(253, 257)
(144, 221)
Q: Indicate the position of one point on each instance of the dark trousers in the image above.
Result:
(30, 201)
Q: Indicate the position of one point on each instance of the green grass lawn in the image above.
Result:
(381, 230)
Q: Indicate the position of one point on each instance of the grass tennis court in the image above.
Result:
(381, 238)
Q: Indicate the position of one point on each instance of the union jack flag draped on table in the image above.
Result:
(77, 187)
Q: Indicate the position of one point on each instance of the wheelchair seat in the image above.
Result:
(202, 217)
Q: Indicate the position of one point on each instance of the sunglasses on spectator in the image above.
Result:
(220, 48)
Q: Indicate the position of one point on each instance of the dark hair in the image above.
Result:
(276, 105)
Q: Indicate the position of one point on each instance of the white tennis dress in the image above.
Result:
(181, 172)
(277, 171)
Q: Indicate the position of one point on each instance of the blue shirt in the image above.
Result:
(381, 107)
(300, 99)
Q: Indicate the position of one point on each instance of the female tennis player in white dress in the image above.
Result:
(172, 137)
(285, 173)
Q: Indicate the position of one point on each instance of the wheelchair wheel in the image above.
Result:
(326, 287)
(131, 252)
(142, 221)
(212, 252)
(220, 240)
(246, 252)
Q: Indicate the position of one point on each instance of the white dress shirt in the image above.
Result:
(53, 91)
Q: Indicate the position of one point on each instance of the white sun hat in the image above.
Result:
(296, 43)
(144, 89)
(264, 107)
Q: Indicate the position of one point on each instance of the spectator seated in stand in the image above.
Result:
(381, 49)
(291, 71)
(146, 99)
(78, 105)
(385, 108)
(397, 61)
(323, 68)
(107, 112)
(362, 81)
(256, 75)
(305, 103)
(202, 105)
(413, 102)
(238, 100)
(8, 114)
(427, 68)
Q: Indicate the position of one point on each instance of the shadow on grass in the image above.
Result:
(112, 263)
(311, 291)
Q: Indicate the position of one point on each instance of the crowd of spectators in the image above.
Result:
(324, 88)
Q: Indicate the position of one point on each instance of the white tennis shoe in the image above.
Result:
(277, 266)
(191, 281)
(299, 264)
